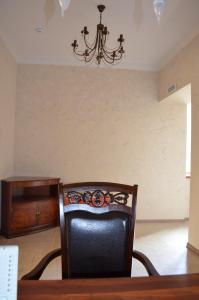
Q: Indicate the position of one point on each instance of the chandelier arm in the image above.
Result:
(103, 40)
(91, 57)
(77, 57)
(86, 43)
(107, 57)
(96, 40)
(99, 42)
(114, 63)
(109, 61)
(89, 46)
(117, 54)
(89, 52)
(119, 47)
(94, 51)
(78, 53)
(91, 49)
(110, 51)
(81, 53)
(94, 44)
(99, 47)
(97, 37)
(88, 59)
(116, 58)
(106, 49)
(82, 57)
(108, 54)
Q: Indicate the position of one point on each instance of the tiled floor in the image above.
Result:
(163, 243)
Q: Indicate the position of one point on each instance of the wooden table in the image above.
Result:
(163, 287)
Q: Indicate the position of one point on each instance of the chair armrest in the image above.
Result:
(40, 267)
(151, 270)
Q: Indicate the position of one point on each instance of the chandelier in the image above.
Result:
(98, 50)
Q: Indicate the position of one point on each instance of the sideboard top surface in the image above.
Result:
(28, 178)
(25, 181)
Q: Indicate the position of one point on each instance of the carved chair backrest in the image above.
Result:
(97, 229)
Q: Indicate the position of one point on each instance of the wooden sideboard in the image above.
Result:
(28, 204)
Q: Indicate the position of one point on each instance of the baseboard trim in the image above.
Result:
(162, 220)
(192, 248)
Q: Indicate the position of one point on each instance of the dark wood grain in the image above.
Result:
(108, 186)
(181, 287)
(29, 204)
(27, 181)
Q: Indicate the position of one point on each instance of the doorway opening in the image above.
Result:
(183, 96)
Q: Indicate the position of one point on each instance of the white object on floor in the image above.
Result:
(8, 272)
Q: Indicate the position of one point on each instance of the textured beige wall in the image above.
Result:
(181, 70)
(7, 110)
(101, 124)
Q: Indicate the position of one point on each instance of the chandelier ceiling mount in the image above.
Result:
(101, 8)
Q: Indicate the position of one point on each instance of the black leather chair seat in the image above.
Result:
(97, 244)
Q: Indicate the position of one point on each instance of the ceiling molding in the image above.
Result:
(66, 62)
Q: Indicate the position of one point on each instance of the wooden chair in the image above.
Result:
(97, 221)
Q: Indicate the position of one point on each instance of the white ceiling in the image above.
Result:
(148, 45)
